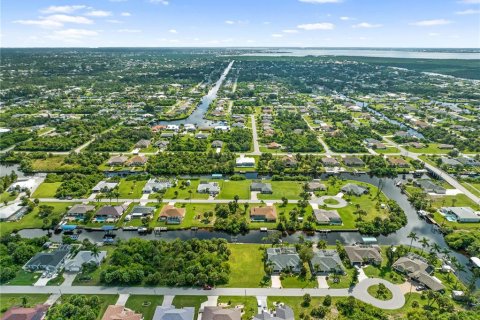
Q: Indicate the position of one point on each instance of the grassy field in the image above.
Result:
(432, 148)
(246, 266)
(344, 281)
(296, 304)
(183, 193)
(297, 281)
(193, 216)
(53, 164)
(387, 150)
(249, 304)
(189, 301)
(105, 301)
(10, 300)
(129, 189)
(46, 190)
(289, 189)
(373, 291)
(31, 220)
(24, 278)
(144, 304)
(472, 187)
(228, 189)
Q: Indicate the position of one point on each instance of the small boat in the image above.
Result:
(263, 229)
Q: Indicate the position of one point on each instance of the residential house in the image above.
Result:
(323, 216)
(75, 264)
(325, 262)
(12, 211)
(353, 162)
(284, 259)
(289, 161)
(144, 143)
(243, 161)
(355, 189)
(217, 144)
(218, 313)
(156, 185)
(282, 312)
(416, 268)
(141, 211)
(263, 214)
(417, 145)
(359, 255)
(19, 313)
(162, 144)
(398, 162)
(172, 215)
(110, 212)
(172, 313)
(449, 162)
(429, 187)
(137, 161)
(265, 188)
(117, 160)
(461, 214)
(374, 144)
(212, 188)
(330, 162)
(274, 145)
(79, 210)
(119, 312)
(316, 186)
(104, 186)
(49, 261)
(445, 146)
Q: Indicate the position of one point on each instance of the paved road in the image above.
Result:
(164, 200)
(445, 176)
(324, 144)
(360, 292)
(256, 147)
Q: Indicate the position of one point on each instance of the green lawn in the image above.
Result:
(10, 300)
(432, 148)
(472, 187)
(246, 266)
(459, 200)
(31, 220)
(183, 192)
(387, 150)
(193, 216)
(7, 196)
(228, 189)
(105, 301)
(288, 189)
(297, 281)
(249, 304)
(189, 301)
(373, 291)
(24, 278)
(344, 281)
(144, 304)
(129, 189)
(296, 304)
(46, 190)
(53, 164)
(58, 280)
(384, 271)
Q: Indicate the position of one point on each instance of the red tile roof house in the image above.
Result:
(172, 215)
(264, 214)
(18, 313)
(137, 161)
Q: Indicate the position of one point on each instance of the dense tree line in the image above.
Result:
(468, 241)
(395, 220)
(177, 263)
(237, 139)
(77, 185)
(168, 163)
(15, 136)
(120, 140)
(189, 143)
(75, 307)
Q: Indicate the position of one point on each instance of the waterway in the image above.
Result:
(197, 117)
(388, 186)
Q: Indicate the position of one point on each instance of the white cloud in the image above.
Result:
(468, 11)
(346, 18)
(320, 1)
(469, 1)
(72, 35)
(277, 35)
(367, 25)
(317, 26)
(99, 13)
(129, 30)
(433, 34)
(62, 9)
(164, 2)
(173, 31)
(40, 23)
(290, 31)
(63, 18)
(125, 14)
(114, 21)
(229, 22)
(431, 23)
(236, 21)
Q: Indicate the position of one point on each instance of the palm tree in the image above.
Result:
(95, 251)
(425, 243)
(436, 247)
(24, 301)
(413, 236)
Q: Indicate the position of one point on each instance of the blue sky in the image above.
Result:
(252, 23)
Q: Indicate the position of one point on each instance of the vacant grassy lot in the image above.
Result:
(24, 278)
(189, 301)
(183, 192)
(46, 190)
(228, 189)
(131, 189)
(31, 220)
(144, 304)
(249, 304)
(288, 189)
(53, 164)
(10, 300)
(246, 266)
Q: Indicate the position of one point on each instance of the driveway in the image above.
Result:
(360, 292)
(69, 277)
(122, 299)
(276, 282)
(322, 282)
(262, 303)
(361, 275)
(167, 301)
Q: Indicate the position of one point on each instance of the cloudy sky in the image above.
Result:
(176, 23)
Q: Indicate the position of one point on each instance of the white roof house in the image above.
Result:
(23, 184)
(104, 185)
(243, 161)
(462, 214)
(6, 212)
(75, 264)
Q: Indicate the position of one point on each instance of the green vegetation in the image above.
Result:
(144, 304)
(88, 307)
(189, 301)
(246, 266)
(8, 300)
(46, 190)
(380, 292)
(249, 304)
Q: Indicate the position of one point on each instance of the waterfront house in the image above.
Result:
(359, 255)
(172, 215)
(325, 262)
(284, 259)
(263, 214)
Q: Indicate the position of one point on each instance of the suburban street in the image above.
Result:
(256, 148)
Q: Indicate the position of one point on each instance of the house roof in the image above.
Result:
(281, 313)
(49, 259)
(118, 159)
(429, 281)
(358, 254)
(171, 313)
(326, 260)
(322, 215)
(115, 211)
(283, 258)
(18, 313)
(80, 209)
(217, 313)
(410, 264)
(84, 256)
(117, 312)
(269, 212)
(354, 188)
(142, 210)
(171, 211)
(462, 212)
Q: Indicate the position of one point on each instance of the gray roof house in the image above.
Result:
(218, 313)
(450, 162)
(353, 162)
(172, 313)
(143, 143)
(217, 144)
(417, 268)
(49, 261)
(363, 254)
(104, 185)
(325, 262)
(323, 216)
(141, 211)
(80, 209)
(284, 259)
(352, 188)
(111, 211)
(282, 312)
(155, 185)
(316, 186)
(75, 264)
(212, 188)
(461, 214)
(261, 187)
(429, 186)
(117, 160)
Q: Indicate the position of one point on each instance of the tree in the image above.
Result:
(425, 243)
(412, 236)
(306, 300)
(24, 301)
